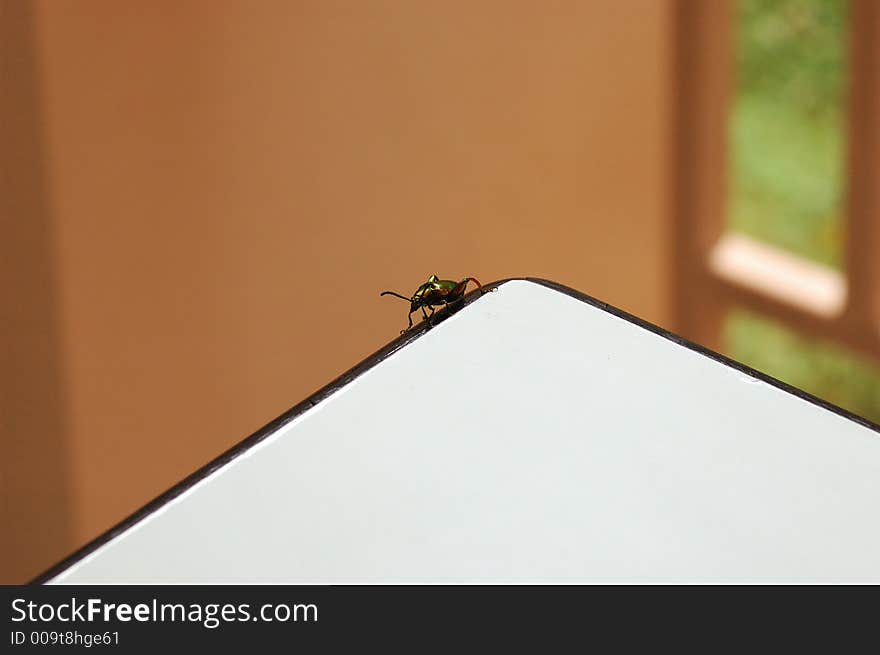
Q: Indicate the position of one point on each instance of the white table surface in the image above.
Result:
(529, 438)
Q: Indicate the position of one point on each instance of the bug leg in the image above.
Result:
(409, 317)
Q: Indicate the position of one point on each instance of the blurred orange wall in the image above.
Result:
(205, 199)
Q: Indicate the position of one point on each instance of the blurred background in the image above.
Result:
(201, 201)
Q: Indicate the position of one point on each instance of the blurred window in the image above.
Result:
(786, 186)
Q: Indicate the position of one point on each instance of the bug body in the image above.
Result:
(434, 293)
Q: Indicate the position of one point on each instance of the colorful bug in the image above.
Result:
(433, 293)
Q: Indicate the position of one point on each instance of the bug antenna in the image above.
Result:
(392, 293)
(477, 282)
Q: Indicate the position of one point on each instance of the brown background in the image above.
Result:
(202, 200)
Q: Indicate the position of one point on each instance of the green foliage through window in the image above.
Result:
(786, 140)
(825, 371)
